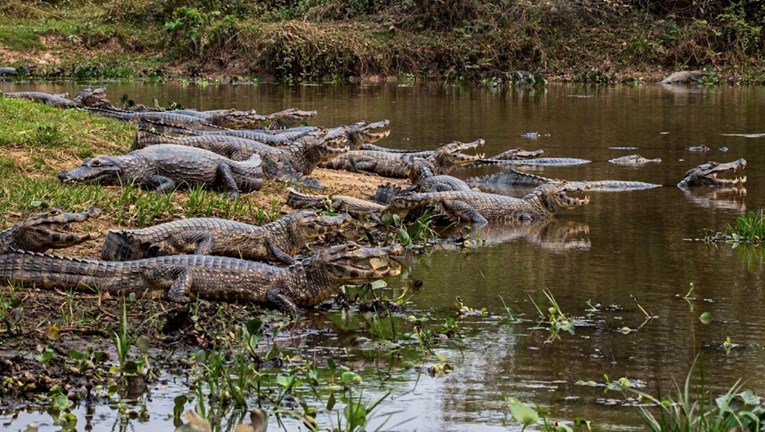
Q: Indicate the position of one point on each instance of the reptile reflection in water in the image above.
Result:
(553, 235)
(728, 198)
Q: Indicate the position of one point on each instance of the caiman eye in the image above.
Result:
(95, 163)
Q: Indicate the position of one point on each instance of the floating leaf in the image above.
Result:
(521, 412)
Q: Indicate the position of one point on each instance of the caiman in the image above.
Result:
(161, 167)
(511, 178)
(43, 231)
(355, 136)
(56, 100)
(235, 119)
(480, 208)
(179, 278)
(633, 160)
(549, 161)
(707, 174)
(278, 240)
(515, 154)
(397, 165)
(164, 117)
(279, 163)
(341, 203)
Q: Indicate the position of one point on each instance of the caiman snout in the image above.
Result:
(64, 176)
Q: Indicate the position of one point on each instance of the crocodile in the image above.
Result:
(289, 163)
(278, 240)
(633, 160)
(707, 174)
(341, 203)
(43, 231)
(481, 208)
(510, 178)
(56, 100)
(179, 278)
(8, 71)
(160, 166)
(398, 165)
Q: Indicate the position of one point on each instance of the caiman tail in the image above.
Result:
(45, 271)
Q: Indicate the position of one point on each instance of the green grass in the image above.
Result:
(693, 409)
(38, 141)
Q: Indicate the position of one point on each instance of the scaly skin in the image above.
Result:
(169, 118)
(160, 166)
(536, 162)
(250, 119)
(276, 241)
(341, 203)
(158, 126)
(355, 136)
(481, 208)
(42, 231)
(517, 154)
(633, 160)
(279, 163)
(398, 165)
(511, 177)
(706, 174)
(182, 277)
(46, 98)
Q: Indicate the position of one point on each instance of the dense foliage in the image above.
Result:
(453, 39)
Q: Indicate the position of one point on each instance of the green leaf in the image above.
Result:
(254, 325)
(521, 412)
(331, 402)
(706, 318)
(355, 414)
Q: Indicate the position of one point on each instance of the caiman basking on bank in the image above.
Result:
(480, 208)
(289, 163)
(179, 278)
(161, 167)
(275, 241)
(398, 165)
(44, 231)
(341, 203)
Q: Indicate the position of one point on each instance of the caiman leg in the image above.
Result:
(161, 184)
(278, 300)
(465, 211)
(280, 254)
(224, 173)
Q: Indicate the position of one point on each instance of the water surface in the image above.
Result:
(622, 252)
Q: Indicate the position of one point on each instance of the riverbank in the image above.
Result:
(323, 40)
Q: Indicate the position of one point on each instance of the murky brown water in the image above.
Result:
(624, 246)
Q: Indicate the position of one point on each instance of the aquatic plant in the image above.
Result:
(749, 228)
(529, 416)
(694, 410)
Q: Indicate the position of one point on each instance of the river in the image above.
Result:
(609, 265)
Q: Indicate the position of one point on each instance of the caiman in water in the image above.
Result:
(480, 208)
(179, 278)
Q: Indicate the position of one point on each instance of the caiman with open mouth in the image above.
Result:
(44, 231)
(707, 174)
(179, 278)
(480, 208)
